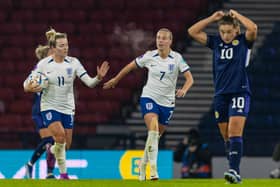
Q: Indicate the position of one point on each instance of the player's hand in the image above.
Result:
(180, 93)
(193, 148)
(110, 84)
(185, 141)
(216, 16)
(33, 86)
(102, 71)
(233, 13)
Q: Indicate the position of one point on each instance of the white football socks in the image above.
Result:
(59, 152)
(152, 146)
(150, 154)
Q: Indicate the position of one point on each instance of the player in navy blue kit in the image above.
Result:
(46, 136)
(231, 51)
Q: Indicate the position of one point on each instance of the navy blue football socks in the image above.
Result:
(227, 145)
(235, 154)
(40, 149)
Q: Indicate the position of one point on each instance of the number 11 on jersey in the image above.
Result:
(60, 80)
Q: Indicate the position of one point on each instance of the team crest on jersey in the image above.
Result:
(49, 116)
(171, 67)
(149, 106)
(69, 72)
(217, 115)
(235, 42)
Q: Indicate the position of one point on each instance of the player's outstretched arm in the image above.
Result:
(187, 85)
(251, 27)
(196, 30)
(101, 72)
(114, 81)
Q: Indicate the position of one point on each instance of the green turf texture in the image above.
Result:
(135, 183)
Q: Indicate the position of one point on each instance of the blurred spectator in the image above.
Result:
(276, 157)
(194, 155)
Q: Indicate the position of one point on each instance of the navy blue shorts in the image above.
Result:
(50, 116)
(150, 106)
(38, 122)
(228, 105)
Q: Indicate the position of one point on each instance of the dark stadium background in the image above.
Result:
(119, 31)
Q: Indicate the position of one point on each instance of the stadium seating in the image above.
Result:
(4, 5)
(7, 95)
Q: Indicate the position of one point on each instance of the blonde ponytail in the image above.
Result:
(42, 51)
(50, 35)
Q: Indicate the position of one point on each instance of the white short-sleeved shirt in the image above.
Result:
(59, 94)
(162, 76)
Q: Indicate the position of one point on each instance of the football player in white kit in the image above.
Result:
(57, 100)
(158, 95)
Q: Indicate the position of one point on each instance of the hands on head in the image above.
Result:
(233, 13)
(216, 16)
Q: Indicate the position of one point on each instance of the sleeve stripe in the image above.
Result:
(188, 69)
(247, 57)
(83, 74)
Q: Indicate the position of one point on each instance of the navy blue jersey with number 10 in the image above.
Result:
(229, 64)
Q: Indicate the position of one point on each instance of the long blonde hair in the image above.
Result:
(42, 51)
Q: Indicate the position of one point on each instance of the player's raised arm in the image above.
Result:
(187, 85)
(196, 30)
(101, 73)
(251, 27)
(124, 71)
(102, 70)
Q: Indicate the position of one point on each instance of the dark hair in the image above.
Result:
(193, 133)
(193, 137)
(194, 141)
(228, 20)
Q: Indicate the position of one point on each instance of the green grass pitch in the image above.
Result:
(135, 183)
